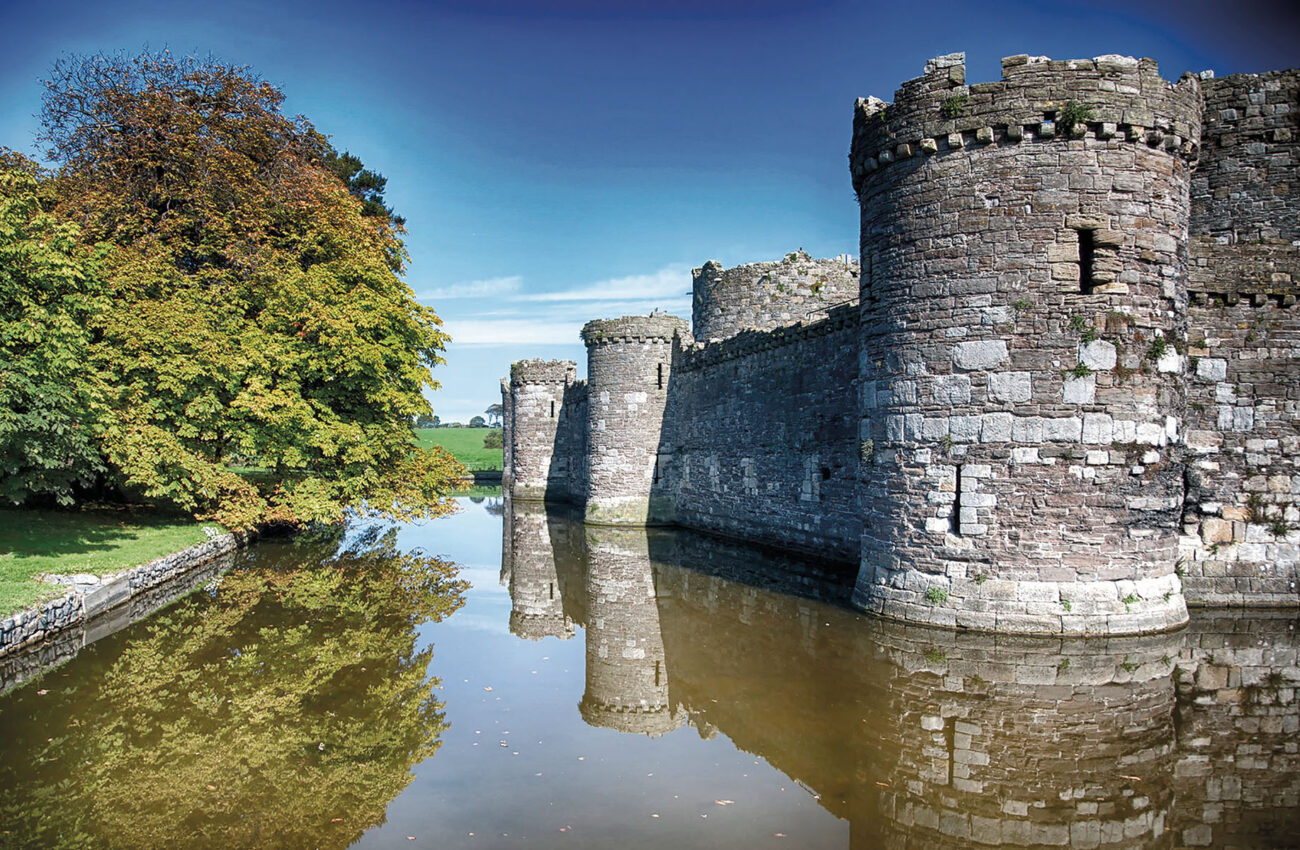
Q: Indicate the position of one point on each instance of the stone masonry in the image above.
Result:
(1059, 393)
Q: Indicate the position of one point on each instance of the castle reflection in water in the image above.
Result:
(922, 737)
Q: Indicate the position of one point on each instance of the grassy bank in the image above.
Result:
(465, 443)
(87, 541)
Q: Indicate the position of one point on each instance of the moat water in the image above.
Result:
(508, 677)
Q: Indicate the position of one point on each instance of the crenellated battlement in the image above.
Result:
(656, 327)
(1112, 99)
(543, 372)
(1055, 395)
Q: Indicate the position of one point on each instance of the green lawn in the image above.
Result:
(88, 541)
(465, 443)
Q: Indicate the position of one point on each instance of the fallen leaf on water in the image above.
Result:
(655, 815)
(336, 820)
(1134, 778)
(488, 688)
(723, 802)
(42, 692)
(883, 784)
(778, 835)
(212, 788)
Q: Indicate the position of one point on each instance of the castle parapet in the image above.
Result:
(1110, 98)
(656, 327)
(543, 372)
(763, 296)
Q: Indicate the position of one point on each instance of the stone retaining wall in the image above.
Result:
(87, 602)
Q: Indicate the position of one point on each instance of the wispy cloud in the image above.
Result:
(670, 282)
(555, 318)
(475, 288)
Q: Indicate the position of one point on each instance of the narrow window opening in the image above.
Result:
(950, 739)
(1087, 255)
(826, 473)
(655, 478)
(552, 586)
(658, 672)
(955, 520)
(661, 376)
(552, 409)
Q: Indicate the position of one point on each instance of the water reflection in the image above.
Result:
(285, 707)
(917, 737)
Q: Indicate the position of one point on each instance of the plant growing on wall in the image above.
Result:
(955, 106)
(1071, 114)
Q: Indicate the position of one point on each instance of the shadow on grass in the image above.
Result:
(55, 534)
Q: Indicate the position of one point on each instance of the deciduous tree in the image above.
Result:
(49, 399)
(258, 317)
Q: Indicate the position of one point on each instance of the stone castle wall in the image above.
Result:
(1069, 382)
(760, 436)
(1242, 510)
(764, 296)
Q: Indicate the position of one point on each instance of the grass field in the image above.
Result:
(465, 443)
(87, 541)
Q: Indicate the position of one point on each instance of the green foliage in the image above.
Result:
(287, 710)
(49, 398)
(1078, 323)
(364, 185)
(1022, 305)
(493, 440)
(257, 315)
(1279, 527)
(935, 655)
(954, 106)
(1256, 510)
(1072, 114)
(936, 594)
(33, 543)
(1129, 601)
(1065, 603)
(477, 422)
(1080, 370)
(1159, 345)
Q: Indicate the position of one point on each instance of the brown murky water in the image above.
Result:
(534, 682)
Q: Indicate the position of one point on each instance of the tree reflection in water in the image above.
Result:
(286, 708)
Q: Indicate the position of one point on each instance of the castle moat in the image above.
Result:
(509, 676)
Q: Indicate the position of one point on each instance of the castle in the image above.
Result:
(1059, 393)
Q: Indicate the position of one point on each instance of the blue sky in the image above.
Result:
(571, 160)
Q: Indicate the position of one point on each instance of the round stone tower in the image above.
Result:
(763, 296)
(628, 365)
(627, 678)
(538, 455)
(1023, 252)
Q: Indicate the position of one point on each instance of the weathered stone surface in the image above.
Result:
(1087, 312)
